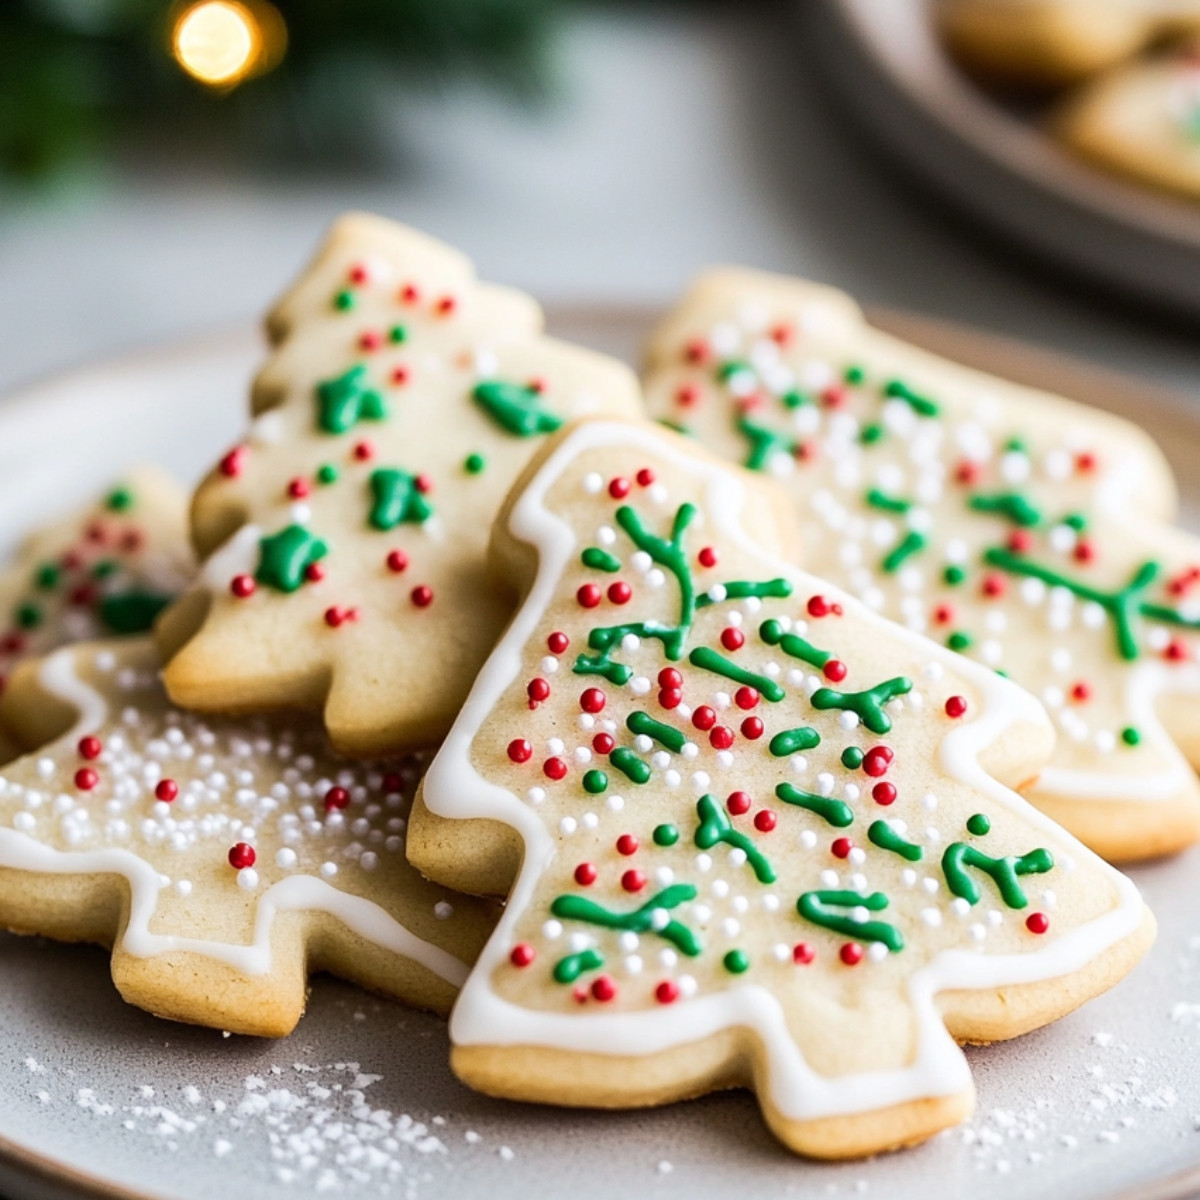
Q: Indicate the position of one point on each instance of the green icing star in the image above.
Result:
(346, 400)
(395, 499)
(515, 408)
(286, 555)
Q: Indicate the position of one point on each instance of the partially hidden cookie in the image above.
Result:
(1021, 529)
(345, 536)
(223, 860)
(762, 836)
(1049, 43)
(109, 568)
(1142, 120)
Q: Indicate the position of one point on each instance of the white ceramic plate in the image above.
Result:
(885, 60)
(99, 1099)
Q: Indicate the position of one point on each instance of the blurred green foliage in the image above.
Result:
(80, 77)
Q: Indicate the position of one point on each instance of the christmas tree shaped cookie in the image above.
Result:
(109, 568)
(224, 861)
(345, 535)
(762, 836)
(1025, 531)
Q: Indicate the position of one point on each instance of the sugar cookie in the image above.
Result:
(760, 831)
(345, 536)
(224, 861)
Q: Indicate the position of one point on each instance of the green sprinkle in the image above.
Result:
(344, 301)
(47, 576)
(791, 740)
(629, 764)
(665, 835)
(327, 473)
(736, 962)
(1130, 736)
(397, 334)
(1076, 521)
(852, 758)
(599, 560)
(954, 575)
(28, 616)
(105, 569)
(595, 782)
(870, 434)
(120, 500)
(959, 640)
(473, 464)
(921, 405)
(794, 399)
(1016, 445)
(979, 824)
(854, 375)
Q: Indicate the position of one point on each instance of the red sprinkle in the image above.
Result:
(1081, 692)
(604, 990)
(90, 747)
(819, 606)
(1085, 552)
(633, 881)
(519, 750)
(364, 451)
(877, 760)
(554, 768)
(234, 463)
(668, 677)
(803, 953)
(721, 738)
(298, 489)
(336, 797)
(335, 616)
(585, 874)
(645, 477)
(620, 592)
(943, 614)
(752, 728)
(409, 293)
(588, 595)
(445, 306)
(765, 820)
(746, 697)
(1037, 922)
(537, 690)
(592, 700)
(242, 586)
(708, 556)
(1176, 650)
(358, 274)
(627, 844)
(687, 395)
(422, 595)
(1020, 541)
(166, 790)
(557, 642)
(732, 638)
(242, 855)
(618, 488)
(603, 743)
(397, 561)
(851, 954)
(666, 992)
(956, 706)
(738, 803)
(400, 375)
(697, 351)
(670, 697)
(370, 340)
(841, 847)
(994, 586)
(1085, 462)
(704, 718)
(884, 793)
(314, 572)
(86, 779)
(835, 670)
(522, 954)
(968, 472)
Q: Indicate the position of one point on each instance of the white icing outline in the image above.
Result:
(453, 788)
(297, 893)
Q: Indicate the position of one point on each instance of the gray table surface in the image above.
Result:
(684, 136)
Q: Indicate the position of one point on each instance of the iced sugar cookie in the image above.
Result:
(1047, 43)
(764, 836)
(345, 536)
(1142, 120)
(107, 569)
(223, 860)
(1025, 531)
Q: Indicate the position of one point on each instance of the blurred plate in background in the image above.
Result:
(884, 59)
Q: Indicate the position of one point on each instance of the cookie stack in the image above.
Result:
(767, 725)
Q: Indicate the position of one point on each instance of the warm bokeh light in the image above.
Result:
(221, 42)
